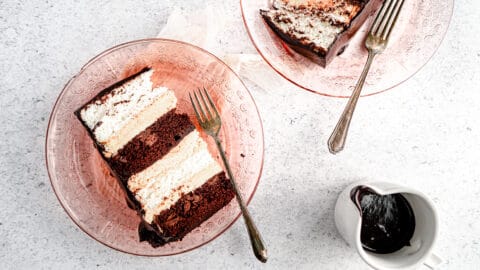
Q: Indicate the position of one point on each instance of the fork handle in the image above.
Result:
(336, 142)
(256, 240)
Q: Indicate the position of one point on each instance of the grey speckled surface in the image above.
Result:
(425, 133)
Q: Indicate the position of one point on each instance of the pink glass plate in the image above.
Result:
(82, 182)
(417, 35)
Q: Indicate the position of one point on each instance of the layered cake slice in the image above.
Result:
(158, 156)
(318, 29)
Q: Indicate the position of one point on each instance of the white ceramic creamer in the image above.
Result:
(348, 220)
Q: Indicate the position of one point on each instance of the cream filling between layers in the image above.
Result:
(312, 28)
(126, 111)
(309, 26)
(185, 168)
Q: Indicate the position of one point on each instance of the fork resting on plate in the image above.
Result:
(375, 43)
(210, 121)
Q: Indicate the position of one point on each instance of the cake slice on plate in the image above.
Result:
(318, 29)
(158, 156)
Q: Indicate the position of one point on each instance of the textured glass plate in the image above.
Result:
(82, 182)
(417, 35)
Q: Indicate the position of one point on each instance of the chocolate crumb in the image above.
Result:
(196, 198)
(98, 124)
(121, 102)
(186, 207)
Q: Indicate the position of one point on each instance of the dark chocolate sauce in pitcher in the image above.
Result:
(388, 221)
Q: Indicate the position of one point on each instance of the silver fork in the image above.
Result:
(375, 43)
(210, 121)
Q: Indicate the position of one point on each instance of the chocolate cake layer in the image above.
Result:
(151, 144)
(189, 211)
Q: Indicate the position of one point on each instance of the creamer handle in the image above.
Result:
(433, 261)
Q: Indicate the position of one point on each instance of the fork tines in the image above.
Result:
(386, 18)
(202, 109)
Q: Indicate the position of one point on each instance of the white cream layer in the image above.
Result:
(314, 28)
(126, 111)
(185, 168)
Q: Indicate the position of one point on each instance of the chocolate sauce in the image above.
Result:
(388, 221)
